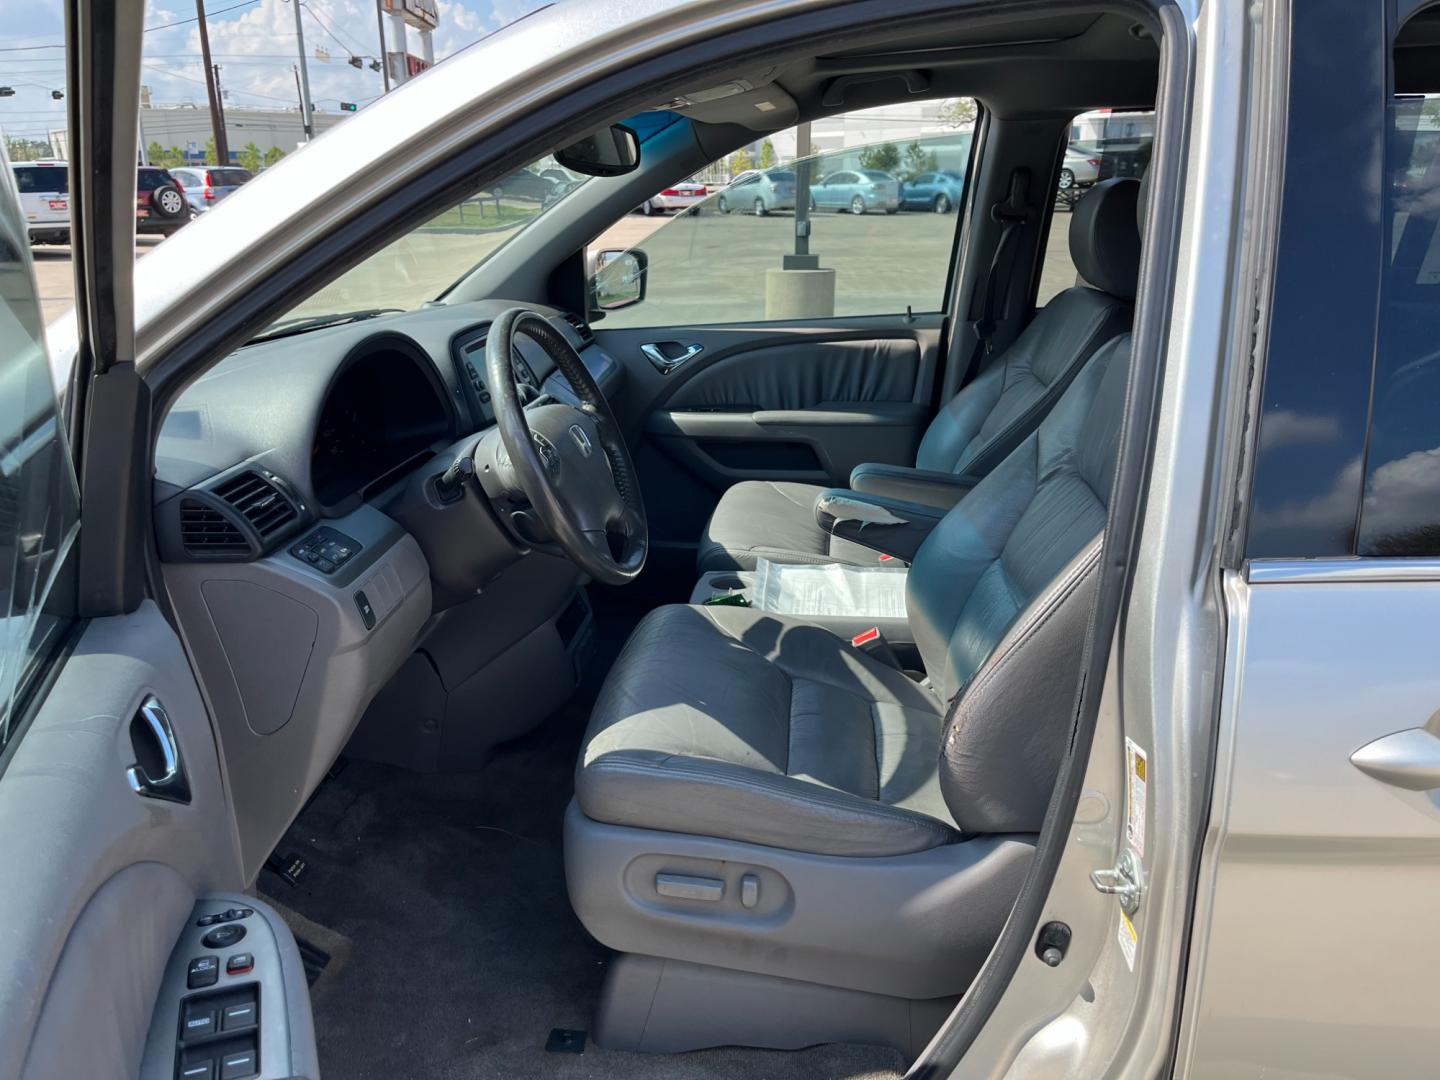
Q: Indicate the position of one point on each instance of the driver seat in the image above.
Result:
(793, 842)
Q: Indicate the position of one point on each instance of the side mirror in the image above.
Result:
(612, 151)
(619, 279)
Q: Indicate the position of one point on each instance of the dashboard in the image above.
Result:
(324, 421)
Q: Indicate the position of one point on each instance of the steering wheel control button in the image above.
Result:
(326, 549)
(238, 1066)
(199, 1021)
(222, 937)
(238, 1016)
(367, 613)
(203, 971)
(240, 964)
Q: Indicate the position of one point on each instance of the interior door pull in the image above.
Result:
(668, 355)
(159, 771)
(1408, 759)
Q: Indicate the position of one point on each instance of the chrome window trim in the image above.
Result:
(1347, 568)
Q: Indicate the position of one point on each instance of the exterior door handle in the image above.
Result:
(159, 771)
(663, 361)
(1407, 759)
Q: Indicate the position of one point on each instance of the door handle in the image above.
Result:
(1407, 759)
(663, 361)
(158, 771)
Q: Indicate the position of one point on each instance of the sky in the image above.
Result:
(254, 44)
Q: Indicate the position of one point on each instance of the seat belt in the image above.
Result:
(1012, 214)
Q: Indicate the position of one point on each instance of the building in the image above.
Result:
(187, 127)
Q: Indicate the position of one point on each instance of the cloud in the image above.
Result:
(1289, 428)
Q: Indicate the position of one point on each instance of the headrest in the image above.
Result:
(1104, 239)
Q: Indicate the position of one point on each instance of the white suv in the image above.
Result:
(45, 198)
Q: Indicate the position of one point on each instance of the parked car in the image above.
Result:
(526, 185)
(939, 191)
(1079, 170)
(45, 199)
(160, 205)
(760, 191)
(677, 197)
(206, 185)
(857, 191)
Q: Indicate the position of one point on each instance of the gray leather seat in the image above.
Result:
(983, 423)
(746, 726)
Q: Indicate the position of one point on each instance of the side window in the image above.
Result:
(1102, 144)
(846, 229)
(1400, 512)
(39, 501)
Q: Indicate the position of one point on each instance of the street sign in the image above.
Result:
(421, 14)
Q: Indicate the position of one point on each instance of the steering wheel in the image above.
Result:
(571, 463)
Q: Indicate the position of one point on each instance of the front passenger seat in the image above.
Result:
(792, 842)
(974, 432)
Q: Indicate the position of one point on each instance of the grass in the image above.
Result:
(482, 215)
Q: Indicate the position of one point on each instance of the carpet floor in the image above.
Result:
(454, 952)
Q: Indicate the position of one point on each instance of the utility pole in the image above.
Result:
(304, 115)
(384, 60)
(222, 149)
(217, 116)
(303, 78)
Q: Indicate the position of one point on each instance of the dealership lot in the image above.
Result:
(709, 267)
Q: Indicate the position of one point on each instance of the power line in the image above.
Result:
(148, 29)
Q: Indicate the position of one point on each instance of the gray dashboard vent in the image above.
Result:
(581, 327)
(259, 500)
(206, 531)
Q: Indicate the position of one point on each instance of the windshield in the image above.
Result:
(426, 261)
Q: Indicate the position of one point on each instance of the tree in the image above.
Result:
(273, 156)
(250, 157)
(740, 160)
(767, 154)
(884, 156)
(958, 112)
(916, 159)
(211, 154)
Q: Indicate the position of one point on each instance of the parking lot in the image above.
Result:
(704, 268)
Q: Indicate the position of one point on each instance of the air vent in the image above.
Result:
(587, 336)
(259, 500)
(206, 531)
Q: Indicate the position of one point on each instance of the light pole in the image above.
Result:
(384, 59)
(302, 76)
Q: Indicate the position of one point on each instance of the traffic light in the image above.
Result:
(7, 91)
(357, 63)
(348, 106)
(57, 94)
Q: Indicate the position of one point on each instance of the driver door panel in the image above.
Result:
(102, 878)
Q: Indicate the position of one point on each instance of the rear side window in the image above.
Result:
(1102, 144)
(42, 179)
(1400, 511)
(229, 177)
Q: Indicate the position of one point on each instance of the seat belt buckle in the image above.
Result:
(873, 643)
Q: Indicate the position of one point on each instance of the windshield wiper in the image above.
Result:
(306, 323)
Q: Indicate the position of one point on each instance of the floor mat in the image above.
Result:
(460, 951)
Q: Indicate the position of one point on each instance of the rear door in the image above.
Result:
(44, 193)
(1322, 870)
(785, 346)
(115, 824)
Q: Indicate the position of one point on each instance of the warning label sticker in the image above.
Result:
(1137, 769)
(1128, 940)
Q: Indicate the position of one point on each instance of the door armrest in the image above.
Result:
(889, 526)
(924, 486)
